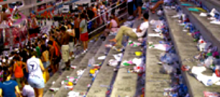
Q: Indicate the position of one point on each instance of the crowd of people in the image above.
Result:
(28, 67)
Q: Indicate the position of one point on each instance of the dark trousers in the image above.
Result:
(130, 8)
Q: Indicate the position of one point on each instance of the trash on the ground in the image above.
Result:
(185, 68)
(205, 79)
(113, 62)
(62, 82)
(53, 82)
(202, 14)
(217, 22)
(154, 35)
(80, 72)
(89, 85)
(91, 61)
(168, 69)
(211, 94)
(163, 47)
(168, 58)
(73, 67)
(108, 45)
(136, 61)
(127, 63)
(54, 89)
(93, 72)
(118, 57)
(101, 57)
(73, 94)
(138, 53)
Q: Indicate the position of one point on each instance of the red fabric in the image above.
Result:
(18, 70)
(84, 37)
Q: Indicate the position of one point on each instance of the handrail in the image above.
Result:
(105, 23)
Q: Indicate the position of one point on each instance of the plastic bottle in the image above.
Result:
(217, 71)
(91, 61)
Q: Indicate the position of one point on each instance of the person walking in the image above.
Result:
(35, 68)
(84, 36)
(18, 71)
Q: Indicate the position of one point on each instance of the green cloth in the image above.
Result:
(38, 51)
(209, 54)
(193, 9)
(185, 4)
(83, 26)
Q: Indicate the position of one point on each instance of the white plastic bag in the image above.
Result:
(209, 61)
(91, 61)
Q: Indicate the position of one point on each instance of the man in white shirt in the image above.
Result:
(133, 33)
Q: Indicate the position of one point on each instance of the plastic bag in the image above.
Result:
(168, 69)
(168, 58)
(91, 61)
(209, 61)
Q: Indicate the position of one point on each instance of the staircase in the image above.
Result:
(118, 81)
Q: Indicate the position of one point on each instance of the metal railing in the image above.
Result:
(102, 20)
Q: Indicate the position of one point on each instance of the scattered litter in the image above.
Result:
(154, 35)
(185, 4)
(54, 89)
(73, 67)
(127, 63)
(203, 14)
(113, 62)
(101, 57)
(108, 45)
(185, 68)
(89, 85)
(53, 82)
(163, 47)
(138, 53)
(211, 94)
(118, 56)
(193, 9)
(215, 22)
(73, 94)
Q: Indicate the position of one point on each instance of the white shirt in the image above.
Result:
(143, 28)
(28, 91)
(34, 69)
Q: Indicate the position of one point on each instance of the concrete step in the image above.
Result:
(58, 74)
(125, 84)
(209, 31)
(104, 78)
(211, 4)
(185, 48)
(155, 81)
(62, 77)
(85, 79)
